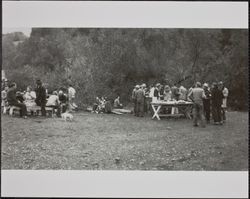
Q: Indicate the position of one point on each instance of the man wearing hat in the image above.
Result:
(136, 88)
(140, 100)
(197, 95)
(41, 96)
(206, 102)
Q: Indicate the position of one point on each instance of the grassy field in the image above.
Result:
(123, 142)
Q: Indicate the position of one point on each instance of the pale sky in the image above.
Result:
(26, 31)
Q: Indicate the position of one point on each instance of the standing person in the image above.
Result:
(183, 93)
(12, 100)
(175, 96)
(4, 102)
(225, 93)
(207, 102)
(71, 94)
(197, 95)
(216, 98)
(175, 92)
(167, 95)
(134, 98)
(161, 92)
(41, 96)
(140, 99)
(157, 92)
(144, 88)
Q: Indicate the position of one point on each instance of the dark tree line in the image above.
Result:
(107, 62)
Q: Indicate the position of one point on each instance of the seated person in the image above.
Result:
(63, 101)
(107, 106)
(117, 103)
(19, 96)
(29, 97)
(53, 101)
(100, 105)
(13, 101)
(96, 104)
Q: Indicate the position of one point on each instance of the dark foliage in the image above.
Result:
(107, 62)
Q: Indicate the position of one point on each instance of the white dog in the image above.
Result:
(67, 116)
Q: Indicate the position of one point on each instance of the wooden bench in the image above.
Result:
(33, 109)
(37, 109)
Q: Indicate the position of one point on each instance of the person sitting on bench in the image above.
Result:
(12, 100)
(54, 102)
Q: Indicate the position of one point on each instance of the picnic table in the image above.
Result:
(184, 108)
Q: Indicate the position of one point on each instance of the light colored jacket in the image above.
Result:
(197, 95)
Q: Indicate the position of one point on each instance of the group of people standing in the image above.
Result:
(206, 100)
(60, 101)
(142, 96)
(209, 99)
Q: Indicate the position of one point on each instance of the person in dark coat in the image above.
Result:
(41, 96)
(108, 106)
(207, 102)
(63, 101)
(157, 91)
(216, 98)
(12, 100)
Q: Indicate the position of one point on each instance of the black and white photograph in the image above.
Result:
(140, 99)
(124, 99)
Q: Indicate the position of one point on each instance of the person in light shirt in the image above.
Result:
(197, 95)
(53, 101)
(167, 93)
(225, 93)
(71, 94)
(29, 97)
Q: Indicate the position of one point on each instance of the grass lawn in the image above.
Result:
(123, 142)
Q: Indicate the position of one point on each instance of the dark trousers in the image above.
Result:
(223, 111)
(140, 109)
(216, 110)
(198, 112)
(23, 111)
(207, 107)
(42, 104)
(64, 107)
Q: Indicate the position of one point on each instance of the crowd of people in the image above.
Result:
(59, 100)
(206, 100)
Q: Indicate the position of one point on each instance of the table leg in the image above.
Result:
(187, 112)
(156, 109)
